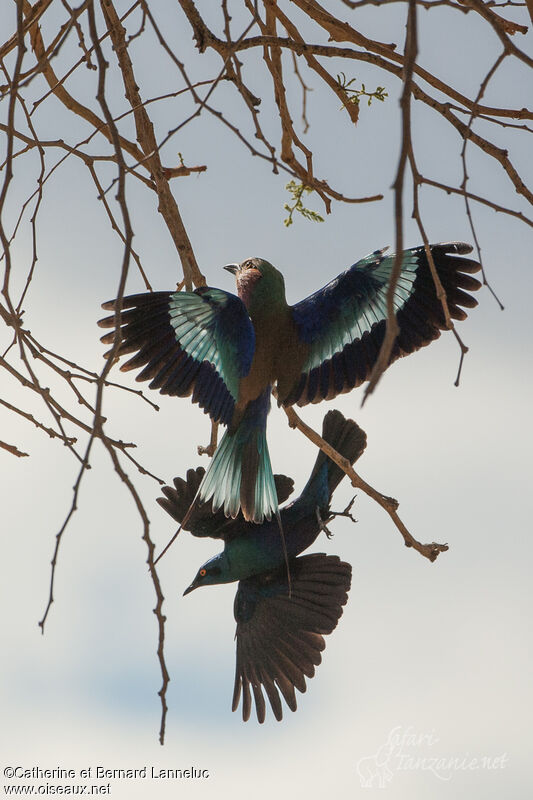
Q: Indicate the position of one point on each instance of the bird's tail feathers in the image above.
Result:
(349, 440)
(240, 474)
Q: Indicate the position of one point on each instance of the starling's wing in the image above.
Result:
(202, 521)
(178, 499)
(284, 487)
(280, 638)
(343, 324)
(200, 343)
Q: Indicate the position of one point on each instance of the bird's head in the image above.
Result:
(257, 281)
(212, 572)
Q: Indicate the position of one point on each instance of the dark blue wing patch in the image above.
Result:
(344, 323)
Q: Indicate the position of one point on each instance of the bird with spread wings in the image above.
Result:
(280, 633)
(228, 351)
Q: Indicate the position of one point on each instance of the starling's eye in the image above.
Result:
(248, 265)
(203, 573)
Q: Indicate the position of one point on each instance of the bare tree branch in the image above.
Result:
(392, 329)
(389, 504)
(269, 55)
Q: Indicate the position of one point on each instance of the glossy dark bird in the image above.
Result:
(228, 351)
(279, 636)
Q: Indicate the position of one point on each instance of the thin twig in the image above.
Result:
(12, 449)
(389, 504)
(392, 328)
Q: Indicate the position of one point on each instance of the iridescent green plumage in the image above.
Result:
(227, 351)
(270, 620)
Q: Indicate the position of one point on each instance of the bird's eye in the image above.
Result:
(248, 265)
(203, 573)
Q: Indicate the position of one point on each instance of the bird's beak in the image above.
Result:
(189, 589)
(233, 268)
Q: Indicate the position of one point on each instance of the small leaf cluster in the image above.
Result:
(297, 190)
(354, 95)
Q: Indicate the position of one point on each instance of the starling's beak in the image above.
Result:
(189, 589)
(233, 268)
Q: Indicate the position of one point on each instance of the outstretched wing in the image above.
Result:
(202, 521)
(343, 324)
(280, 638)
(200, 343)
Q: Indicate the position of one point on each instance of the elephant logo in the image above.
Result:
(374, 770)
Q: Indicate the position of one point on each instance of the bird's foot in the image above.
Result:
(322, 525)
(208, 450)
(346, 512)
(212, 446)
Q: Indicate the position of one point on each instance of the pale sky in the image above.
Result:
(429, 661)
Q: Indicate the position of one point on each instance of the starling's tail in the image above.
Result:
(349, 440)
(240, 475)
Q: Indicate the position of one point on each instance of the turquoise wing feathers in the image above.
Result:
(200, 343)
(342, 326)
